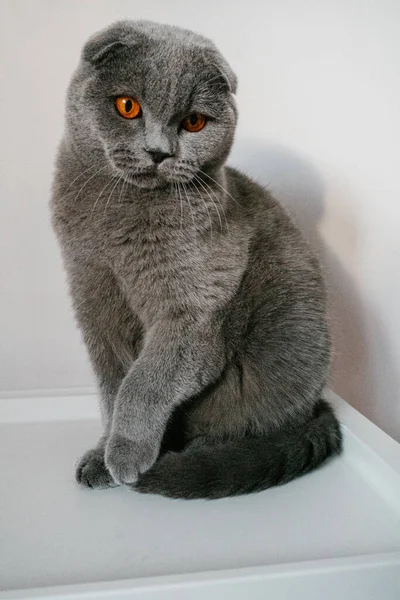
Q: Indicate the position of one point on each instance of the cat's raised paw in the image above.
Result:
(126, 459)
(92, 472)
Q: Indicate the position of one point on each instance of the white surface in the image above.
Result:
(53, 533)
(319, 87)
(362, 578)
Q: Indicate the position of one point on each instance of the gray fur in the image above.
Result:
(201, 305)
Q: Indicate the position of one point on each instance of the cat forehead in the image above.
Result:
(157, 60)
(147, 38)
(151, 51)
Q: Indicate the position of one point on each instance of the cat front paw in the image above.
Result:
(126, 459)
(92, 472)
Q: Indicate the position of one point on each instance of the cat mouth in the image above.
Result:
(142, 174)
(154, 175)
(150, 174)
(145, 178)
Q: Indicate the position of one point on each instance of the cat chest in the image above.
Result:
(165, 273)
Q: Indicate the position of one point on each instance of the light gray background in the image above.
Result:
(319, 89)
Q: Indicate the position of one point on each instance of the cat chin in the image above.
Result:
(147, 182)
(152, 182)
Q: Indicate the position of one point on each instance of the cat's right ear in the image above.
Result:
(105, 44)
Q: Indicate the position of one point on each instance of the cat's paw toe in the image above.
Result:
(92, 472)
(126, 459)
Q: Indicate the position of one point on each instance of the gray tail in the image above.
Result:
(245, 465)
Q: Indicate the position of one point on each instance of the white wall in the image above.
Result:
(320, 122)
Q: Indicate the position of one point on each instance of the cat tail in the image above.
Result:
(245, 465)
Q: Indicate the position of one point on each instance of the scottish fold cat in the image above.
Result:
(202, 307)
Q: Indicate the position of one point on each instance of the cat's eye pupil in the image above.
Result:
(194, 122)
(128, 106)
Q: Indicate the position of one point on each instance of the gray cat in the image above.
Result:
(202, 307)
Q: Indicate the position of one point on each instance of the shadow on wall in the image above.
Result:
(360, 346)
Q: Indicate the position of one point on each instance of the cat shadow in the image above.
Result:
(360, 344)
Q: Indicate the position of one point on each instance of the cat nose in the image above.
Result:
(158, 155)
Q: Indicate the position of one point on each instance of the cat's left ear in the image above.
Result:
(225, 71)
(105, 44)
(229, 76)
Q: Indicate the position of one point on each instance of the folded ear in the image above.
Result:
(229, 76)
(105, 43)
(222, 66)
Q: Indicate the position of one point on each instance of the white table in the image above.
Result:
(333, 534)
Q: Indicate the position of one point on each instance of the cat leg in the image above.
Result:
(179, 359)
(112, 334)
(91, 470)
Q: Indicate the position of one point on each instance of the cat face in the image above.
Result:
(155, 101)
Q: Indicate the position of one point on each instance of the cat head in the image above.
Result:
(155, 101)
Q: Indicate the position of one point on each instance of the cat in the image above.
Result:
(202, 307)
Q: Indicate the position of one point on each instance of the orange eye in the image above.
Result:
(194, 122)
(128, 107)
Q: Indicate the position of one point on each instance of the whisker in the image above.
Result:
(209, 195)
(222, 187)
(76, 179)
(113, 188)
(101, 193)
(121, 191)
(87, 181)
(217, 198)
(208, 212)
(191, 210)
(181, 202)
